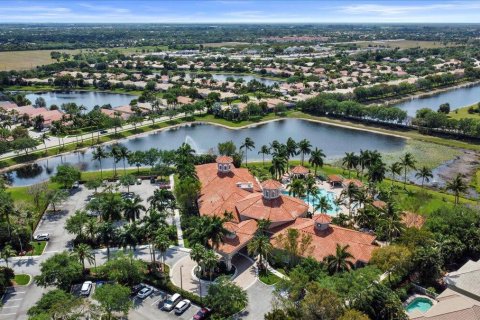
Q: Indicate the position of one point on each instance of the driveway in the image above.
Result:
(259, 301)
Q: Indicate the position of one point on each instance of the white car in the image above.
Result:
(42, 237)
(86, 288)
(145, 292)
(171, 302)
(182, 306)
(76, 185)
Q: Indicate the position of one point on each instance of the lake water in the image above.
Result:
(334, 141)
(457, 98)
(89, 99)
(246, 78)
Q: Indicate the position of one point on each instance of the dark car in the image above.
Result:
(202, 314)
(136, 289)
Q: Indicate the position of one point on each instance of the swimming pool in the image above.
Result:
(419, 304)
(313, 200)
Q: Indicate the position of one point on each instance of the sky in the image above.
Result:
(240, 11)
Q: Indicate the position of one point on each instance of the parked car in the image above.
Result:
(145, 292)
(139, 181)
(86, 288)
(103, 131)
(42, 237)
(202, 314)
(76, 185)
(182, 306)
(136, 289)
(171, 302)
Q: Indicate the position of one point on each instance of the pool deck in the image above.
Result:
(417, 313)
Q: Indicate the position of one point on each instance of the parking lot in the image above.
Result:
(151, 308)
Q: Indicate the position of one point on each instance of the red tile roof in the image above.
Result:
(244, 232)
(224, 159)
(324, 242)
(281, 209)
(413, 220)
(271, 184)
(300, 170)
(335, 178)
(356, 182)
(219, 191)
(322, 218)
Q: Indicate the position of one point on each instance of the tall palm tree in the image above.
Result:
(323, 204)
(316, 159)
(197, 254)
(340, 261)
(263, 225)
(457, 186)
(305, 148)
(248, 144)
(407, 162)
(161, 199)
(106, 235)
(7, 253)
(162, 243)
(310, 186)
(391, 221)
(44, 138)
(425, 174)
(84, 251)
(364, 160)
(375, 174)
(348, 195)
(291, 147)
(264, 150)
(296, 188)
(99, 154)
(115, 152)
(123, 153)
(261, 246)
(215, 231)
(350, 161)
(132, 208)
(130, 235)
(395, 169)
(278, 167)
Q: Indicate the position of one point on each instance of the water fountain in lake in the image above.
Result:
(189, 140)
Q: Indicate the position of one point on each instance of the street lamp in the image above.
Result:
(181, 277)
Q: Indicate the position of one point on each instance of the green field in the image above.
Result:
(463, 113)
(24, 60)
(405, 44)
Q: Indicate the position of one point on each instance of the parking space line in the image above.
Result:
(14, 299)
(10, 307)
(156, 301)
(7, 314)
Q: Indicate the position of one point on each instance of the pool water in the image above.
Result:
(419, 304)
(313, 200)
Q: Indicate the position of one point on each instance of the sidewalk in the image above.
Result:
(176, 218)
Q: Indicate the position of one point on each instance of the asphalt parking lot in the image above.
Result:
(150, 308)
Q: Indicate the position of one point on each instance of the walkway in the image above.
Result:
(176, 217)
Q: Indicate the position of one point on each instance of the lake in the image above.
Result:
(334, 141)
(89, 99)
(457, 98)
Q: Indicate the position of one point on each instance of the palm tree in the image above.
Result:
(129, 235)
(132, 208)
(115, 152)
(375, 174)
(340, 261)
(278, 167)
(425, 174)
(210, 262)
(316, 159)
(162, 243)
(296, 188)
(391, 221)
(350, 161)
(248, 144)
(457, 186)
(7, 253)
(84, 251)
(364, 160)
(407, 162)
(261, 246)
(291, 147)
(264, 150)
(161, 199)
(106, 234)
(197, 253)
(98, 155)
(323, 204)
(262, 226)
(310, 186)
(123, 153)
(304, 147)
(349, 194)
(215, 231)
(395, 169)
(44, 138)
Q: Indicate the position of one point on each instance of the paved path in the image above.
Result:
(259, 301)
(176, 217)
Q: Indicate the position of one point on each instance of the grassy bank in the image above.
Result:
(463, 113)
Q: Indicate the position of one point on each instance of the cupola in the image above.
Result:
(224, 164)
(322, 221)
(272, 189)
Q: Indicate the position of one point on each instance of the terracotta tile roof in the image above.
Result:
(356, 182)
(300, 170)
(224, 159)
(413, 220)
(324, 242)
(322, 218)
(244, 232)
(335, 178)
(271, 184)
(281, 209)
(219, 191)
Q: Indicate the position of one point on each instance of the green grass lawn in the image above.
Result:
(463, 113)
(38, 247)
(268, 278)
(22, 279)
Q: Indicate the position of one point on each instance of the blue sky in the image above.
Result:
(240, 11)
